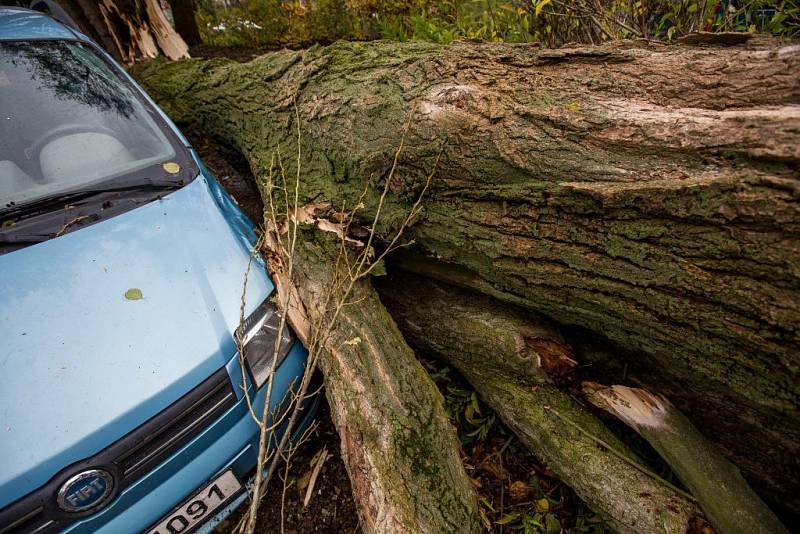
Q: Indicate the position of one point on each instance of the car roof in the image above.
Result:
(18, 23)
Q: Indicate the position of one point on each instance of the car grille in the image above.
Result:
(127, 459)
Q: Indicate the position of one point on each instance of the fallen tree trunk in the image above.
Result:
(400, 450)
(507, 356)
(644, 192)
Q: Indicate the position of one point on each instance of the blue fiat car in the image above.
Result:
(121, 276)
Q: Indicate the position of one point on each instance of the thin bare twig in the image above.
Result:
(280, 240)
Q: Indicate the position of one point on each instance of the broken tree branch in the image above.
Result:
(508, 357)
(399, 447)
(730, 504)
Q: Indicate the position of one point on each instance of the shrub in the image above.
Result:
(264, 23)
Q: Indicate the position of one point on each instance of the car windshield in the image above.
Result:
(69, 122)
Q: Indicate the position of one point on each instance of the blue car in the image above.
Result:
(122, 263)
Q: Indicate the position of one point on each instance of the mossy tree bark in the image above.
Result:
(513, 358)
(647, 193)
(400, 450)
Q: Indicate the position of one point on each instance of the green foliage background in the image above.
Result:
(297, 23)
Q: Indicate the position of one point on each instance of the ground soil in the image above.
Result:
(331, 507)
(238, 53)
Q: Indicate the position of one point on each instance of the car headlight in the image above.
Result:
(259, 332)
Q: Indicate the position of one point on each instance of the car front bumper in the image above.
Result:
(229, 443)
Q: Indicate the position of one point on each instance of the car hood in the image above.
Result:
(81, 364)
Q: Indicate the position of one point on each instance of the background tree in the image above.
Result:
(183, 13)
(126, 29)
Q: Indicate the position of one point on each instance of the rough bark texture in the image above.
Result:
(504, 353)
(401, 452)
(128, 30)
(645, 192)
(729, 503)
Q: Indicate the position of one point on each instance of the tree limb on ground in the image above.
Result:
(644, 192)
(504, 353)
(398, 445)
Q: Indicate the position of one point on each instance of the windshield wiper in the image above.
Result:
(40, 204)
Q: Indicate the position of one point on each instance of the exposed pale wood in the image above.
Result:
(169, 41)
(93, 20)
(128, 30)
(729, 503)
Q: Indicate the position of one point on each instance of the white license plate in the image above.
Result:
(199, 507)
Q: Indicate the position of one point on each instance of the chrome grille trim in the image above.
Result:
(149, 444)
